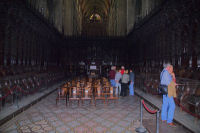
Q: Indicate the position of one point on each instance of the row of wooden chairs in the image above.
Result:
(15, 88)
(86, 90)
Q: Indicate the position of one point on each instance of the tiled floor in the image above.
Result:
(119, 117)
(12, 109)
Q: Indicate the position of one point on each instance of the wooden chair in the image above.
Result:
(99, 94)
(74, 95)
(62, 93)
(79, 89)
(7, 93)
(111, 95)
(87, 94)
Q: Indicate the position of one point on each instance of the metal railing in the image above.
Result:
(142, 129)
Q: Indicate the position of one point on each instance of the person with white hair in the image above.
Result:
(168, 106)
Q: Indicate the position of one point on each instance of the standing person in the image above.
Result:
(122, 70)
(118, 77)
(168, 106)
(131, 88)
(125, 80)
(173, 76)
(114, 68)
(112, 76)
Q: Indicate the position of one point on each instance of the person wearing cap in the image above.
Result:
(122, 70)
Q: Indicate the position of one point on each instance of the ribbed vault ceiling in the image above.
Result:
(94, 17)
(90, 7)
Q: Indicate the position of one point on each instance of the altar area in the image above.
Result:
(93, 70)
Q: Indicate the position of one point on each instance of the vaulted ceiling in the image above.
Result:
(72, 17)
(95, 6)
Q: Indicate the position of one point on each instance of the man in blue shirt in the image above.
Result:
(131, 88)
(168, 106)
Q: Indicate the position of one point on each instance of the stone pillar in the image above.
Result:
(68, 17)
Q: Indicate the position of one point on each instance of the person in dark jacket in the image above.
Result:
(125, 80)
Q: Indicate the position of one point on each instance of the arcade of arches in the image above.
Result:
(60, 38)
